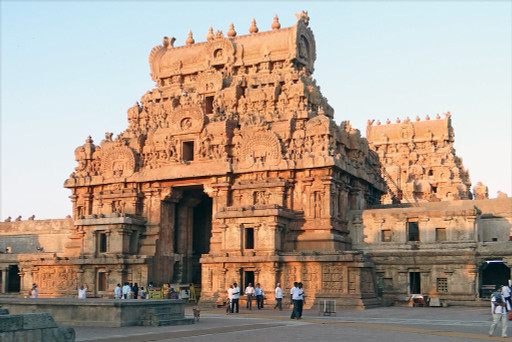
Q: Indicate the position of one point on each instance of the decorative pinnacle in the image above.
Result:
(210, 35)
(190, 39)
(276, 25)
(231, 32)
(253, 28)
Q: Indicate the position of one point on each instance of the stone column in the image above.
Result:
(5, 278)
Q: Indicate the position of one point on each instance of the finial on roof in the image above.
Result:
(89, 140)
(438, 116)
(209, 35)
(231, 31)
(427, 118)
(253, 28)
(378, 122)
(397, 120)
(388, 122)
(276, 25)
(417, 118)
(190, 39)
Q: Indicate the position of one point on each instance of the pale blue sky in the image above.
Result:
(72, 69)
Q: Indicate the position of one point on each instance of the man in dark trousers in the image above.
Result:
(236, 298)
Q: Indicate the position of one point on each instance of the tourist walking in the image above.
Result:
(259, 293)
(236, 298)
(82, 291)
(500, 308)
(117, 292)
(279, 297)
(249, 292)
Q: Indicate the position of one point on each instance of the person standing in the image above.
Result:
(249, 292)
(142, 293)
(117, 292)
(34, 292)
(279, 297)
(236, 298)
(500, 307)
(135, 290)
(82, 291)
(259, 293)
(294, 296)
(229, 306)
(126, 290)
(300, 301)
(505, 290)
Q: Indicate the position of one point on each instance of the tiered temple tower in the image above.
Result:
(231, 169)
(419, 160)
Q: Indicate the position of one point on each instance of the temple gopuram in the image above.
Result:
(232, 169)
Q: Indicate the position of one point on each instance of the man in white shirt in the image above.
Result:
(82, 291)
(500, 307)
(249, 292)
(259, 293)
(230, 299)
(236, 298)
(279, 297)
(117, 292)
(126, 290)
(295, 297)
(505, 290)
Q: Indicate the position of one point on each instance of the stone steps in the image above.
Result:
(163, 316)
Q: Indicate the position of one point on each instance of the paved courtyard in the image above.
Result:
(389, 324)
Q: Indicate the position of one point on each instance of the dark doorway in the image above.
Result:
(414, 282)
(492, 273)
(13, 282)
(248, 278)
(190, 232)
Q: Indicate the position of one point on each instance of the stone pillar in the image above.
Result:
(5, 279)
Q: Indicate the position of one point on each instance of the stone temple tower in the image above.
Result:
(231, 170)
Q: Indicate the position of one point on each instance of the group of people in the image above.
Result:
(296, 296)
(254, 292)
(501, 306)
(129, 291)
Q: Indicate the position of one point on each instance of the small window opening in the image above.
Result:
(413, 231)
(440, 234)
(249, 238)
(209, 105)
(442, 284)
(102, 281)
(188, 151)
(102, 243)
(386, 235)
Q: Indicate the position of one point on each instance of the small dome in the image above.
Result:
(190, 39)
(253, 28)
(231, 31)
(275, 24)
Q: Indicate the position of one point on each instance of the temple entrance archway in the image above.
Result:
(185, 233)
(492, 273)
